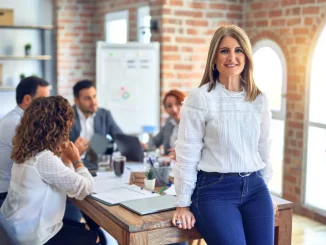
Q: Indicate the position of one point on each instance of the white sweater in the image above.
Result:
(221, 132)
(36, 199)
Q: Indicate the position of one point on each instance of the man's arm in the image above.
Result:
(113, 128)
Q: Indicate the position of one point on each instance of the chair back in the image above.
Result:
(7, 236)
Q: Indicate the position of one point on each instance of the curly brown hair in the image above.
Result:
(45, 125)
(180, 96)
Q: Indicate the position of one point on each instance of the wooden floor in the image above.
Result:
(307, 232)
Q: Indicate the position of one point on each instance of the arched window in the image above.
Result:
(270, 77)
(316, 140)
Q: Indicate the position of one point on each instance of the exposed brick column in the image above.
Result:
(293, 25)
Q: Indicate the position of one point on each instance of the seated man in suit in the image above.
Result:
(28, 89)
(90, 119)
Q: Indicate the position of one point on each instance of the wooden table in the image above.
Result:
(155, 229)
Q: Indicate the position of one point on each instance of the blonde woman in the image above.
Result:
(223, 150)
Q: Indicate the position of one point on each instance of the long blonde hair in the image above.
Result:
(247, 80)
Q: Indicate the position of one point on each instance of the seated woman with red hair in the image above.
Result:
(172, 102)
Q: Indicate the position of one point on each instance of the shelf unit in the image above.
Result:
(47, 27)
(42, 58)
(30, 57)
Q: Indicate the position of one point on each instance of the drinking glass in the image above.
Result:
(118, 163)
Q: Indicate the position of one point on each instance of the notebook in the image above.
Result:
(121, 193)
(150, 205)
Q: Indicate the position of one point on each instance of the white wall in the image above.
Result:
(26, 12)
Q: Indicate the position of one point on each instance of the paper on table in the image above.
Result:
(171, 191)
(123, 193)
(135, 166)
(105, 181)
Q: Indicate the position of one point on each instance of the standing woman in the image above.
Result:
(223, 150)
(46, 168)
(172, 103)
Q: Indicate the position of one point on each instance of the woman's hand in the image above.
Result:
(172, 153)
(183, 218)
(82, 145)
(70, 151)
(276, 213)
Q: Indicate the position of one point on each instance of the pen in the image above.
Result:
(158, 177)
(164, 188)
(147, 189)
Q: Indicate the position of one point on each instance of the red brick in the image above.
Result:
(308, 21)
(300, 31)
(310, 10)
(169, 48)
(262, 23)
(296, 125)
(233, 15)
(306, 1)
(275, 13)
(199, 5)
(260, 14)
(192, 31)
(168, 30)
(257, 5)
(293, 21)
(300, 40)
(279, 22)
(236, 7)
(182, 67)
(171, 57)
(197, 22)
(218, 6)
(188, 13)
(214, 15)
(288, 2)
(186, 49)
(176, 2)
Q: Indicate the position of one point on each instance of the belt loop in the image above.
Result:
(243, 174)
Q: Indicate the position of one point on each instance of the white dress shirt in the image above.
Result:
(86, 124)
(8, 126)
(221, 132)
(36, 199)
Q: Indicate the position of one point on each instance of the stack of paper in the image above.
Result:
(123, 193)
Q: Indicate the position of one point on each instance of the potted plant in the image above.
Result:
(22, 76)
(28, 48)
(149, 180)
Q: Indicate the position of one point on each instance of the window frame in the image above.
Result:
(119, 15)
(278, 115)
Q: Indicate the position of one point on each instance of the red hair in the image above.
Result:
(180, 96)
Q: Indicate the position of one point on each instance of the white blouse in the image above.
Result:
(221, 132)
(36, 198)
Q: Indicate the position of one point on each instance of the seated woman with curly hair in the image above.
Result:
(46, 168)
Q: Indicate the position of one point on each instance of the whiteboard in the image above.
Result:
(127, 83)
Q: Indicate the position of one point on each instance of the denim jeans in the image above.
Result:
(233, 210)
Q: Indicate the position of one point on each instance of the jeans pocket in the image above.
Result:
(209, 180)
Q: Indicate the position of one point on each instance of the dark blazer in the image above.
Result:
(103, 124)
(163, 137)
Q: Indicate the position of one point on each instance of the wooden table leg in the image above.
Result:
(283, 233)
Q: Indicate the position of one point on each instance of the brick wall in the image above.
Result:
(76, 38)
(186, 29)
(294, 25)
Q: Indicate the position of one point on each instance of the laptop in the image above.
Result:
(151, 205)
(130, 147)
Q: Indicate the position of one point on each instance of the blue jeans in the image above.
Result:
(230, 209)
